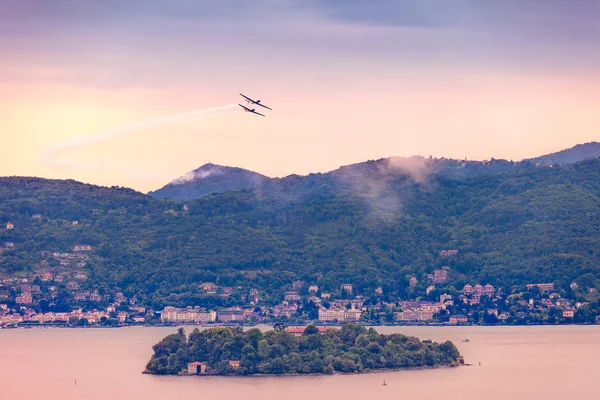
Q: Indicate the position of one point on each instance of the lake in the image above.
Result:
(539, 362)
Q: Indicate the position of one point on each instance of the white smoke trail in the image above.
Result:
(49, 155)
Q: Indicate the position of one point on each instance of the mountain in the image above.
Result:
(373, 224)
(209, 179)
(575, 154)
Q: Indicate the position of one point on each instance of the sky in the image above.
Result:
(348, 81)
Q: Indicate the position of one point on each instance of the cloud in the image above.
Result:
(198, 174)
(50, 155)
(385, 185)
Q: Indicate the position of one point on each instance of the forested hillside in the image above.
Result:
(374, 224)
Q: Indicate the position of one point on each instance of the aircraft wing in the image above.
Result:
(257, 113)
(245, 108)
(268, 108)
(247, 98)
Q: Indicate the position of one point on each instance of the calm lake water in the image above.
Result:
(558, 362)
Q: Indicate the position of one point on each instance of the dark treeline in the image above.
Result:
(352, 348)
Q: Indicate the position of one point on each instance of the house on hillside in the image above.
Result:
(346, 287)
(568, 313)
(208, 287)
(440, 276)
(544, 287)
(9, 225)
(292, 296)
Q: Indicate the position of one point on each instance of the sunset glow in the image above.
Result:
(345, 85)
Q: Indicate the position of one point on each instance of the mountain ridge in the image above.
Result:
(212, 178)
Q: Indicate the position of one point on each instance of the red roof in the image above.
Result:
(196, 363)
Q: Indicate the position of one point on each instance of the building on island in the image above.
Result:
(196, 368)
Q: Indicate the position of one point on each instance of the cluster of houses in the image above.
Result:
(60, 271)
(21, 299)
(94, 317)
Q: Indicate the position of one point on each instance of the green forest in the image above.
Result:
(368, 225)
(352, 348)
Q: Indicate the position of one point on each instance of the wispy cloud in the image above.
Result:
(51, 155)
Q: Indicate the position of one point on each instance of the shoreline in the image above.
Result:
(339, 373)
(206, 326)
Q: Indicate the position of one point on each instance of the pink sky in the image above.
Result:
(343, 89)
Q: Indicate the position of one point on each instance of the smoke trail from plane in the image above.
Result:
(50, 155)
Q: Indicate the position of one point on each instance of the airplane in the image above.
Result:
(257, 102)
(250, 110)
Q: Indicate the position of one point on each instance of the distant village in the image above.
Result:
(39, 299)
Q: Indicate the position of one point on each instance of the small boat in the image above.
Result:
(466, 340)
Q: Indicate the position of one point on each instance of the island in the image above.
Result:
(307, 350)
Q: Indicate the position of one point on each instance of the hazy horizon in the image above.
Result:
(186, 173)
(347, 82)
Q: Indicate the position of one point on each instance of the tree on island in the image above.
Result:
(352, 348)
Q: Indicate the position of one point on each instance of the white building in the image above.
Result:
(189, 315)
